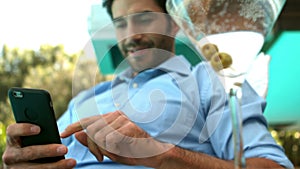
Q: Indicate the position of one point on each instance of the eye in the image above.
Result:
(120, 24)
(144, 18)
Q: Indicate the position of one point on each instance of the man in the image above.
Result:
(156, 114)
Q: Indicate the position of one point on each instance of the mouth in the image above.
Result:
(137, 52)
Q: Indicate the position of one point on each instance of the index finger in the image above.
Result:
(22, 129)
(15, 131)
(83, 123)
(79, 126)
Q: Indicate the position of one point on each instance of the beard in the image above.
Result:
(147, 52)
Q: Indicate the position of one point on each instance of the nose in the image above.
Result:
(133, 32)
(134, 37)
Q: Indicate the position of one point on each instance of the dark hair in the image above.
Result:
(108, 4)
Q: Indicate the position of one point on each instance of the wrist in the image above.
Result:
(169, 159)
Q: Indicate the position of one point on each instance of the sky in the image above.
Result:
(30, 23)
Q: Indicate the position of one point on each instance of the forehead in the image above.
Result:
(127, 7)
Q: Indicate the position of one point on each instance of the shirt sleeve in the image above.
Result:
(70, 116)
(258, 142)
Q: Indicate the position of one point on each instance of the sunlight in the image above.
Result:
(28, 24)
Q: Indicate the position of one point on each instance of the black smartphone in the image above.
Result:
(35, 106)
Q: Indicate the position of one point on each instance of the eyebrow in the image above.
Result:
(139, 13)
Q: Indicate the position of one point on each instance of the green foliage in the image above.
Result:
(289, 139)
(55, 77)
(49, 68)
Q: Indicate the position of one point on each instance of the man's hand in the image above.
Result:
(17, 157)
(118, 138)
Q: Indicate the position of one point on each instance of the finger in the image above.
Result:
(100, 136)
(78, 126)
(62, 164)
(119, 158)
(129, 139)
(85, 122)
(14, 155)
(82, 138)
(15, 131)
(105, 125)
(95, 149)
(107, 117)
(22, 129)
(111, 117)
(71, 129)
(114, 120)
(130, 129)
(124, 135)
(110, 155)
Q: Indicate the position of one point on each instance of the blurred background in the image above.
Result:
(50, 45)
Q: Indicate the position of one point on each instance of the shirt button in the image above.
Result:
(117, 104)
(135, 85)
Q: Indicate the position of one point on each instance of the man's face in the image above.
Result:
(144, 33)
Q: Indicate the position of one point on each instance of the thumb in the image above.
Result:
(82, 138)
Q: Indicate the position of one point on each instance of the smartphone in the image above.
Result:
(35, 106)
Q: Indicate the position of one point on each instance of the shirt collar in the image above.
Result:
(176, 64)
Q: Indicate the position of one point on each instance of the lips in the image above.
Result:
(137, 48)
(137, 52)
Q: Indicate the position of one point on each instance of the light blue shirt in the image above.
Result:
(178, 104)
